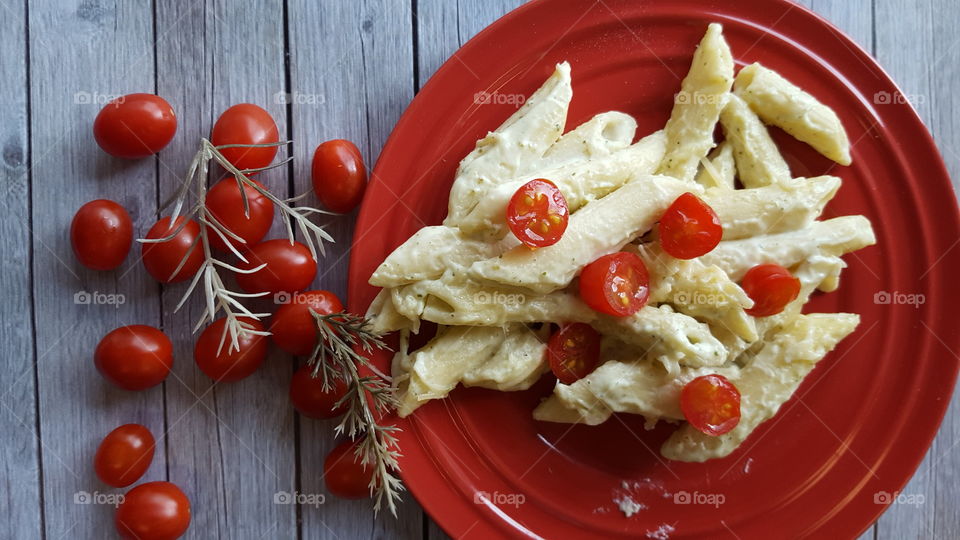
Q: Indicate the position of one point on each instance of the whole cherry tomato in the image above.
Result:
(711, 403)
(771, 287)
(309, 397)
(290, 267)
(537, 214)
(134, 357)
(689, 228)
(153, 511)
(230, 364)
(135, 126)
(101, 233)
(246, 123)
(293, 328)
(339, 175)
(617, 284)
(226, 204)
(124, 455)
(344, 474)
(162, 258)
(573, 352)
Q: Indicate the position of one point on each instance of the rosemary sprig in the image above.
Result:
(368, 398)
(218, 297)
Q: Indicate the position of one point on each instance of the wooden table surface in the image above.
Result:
(324, 69)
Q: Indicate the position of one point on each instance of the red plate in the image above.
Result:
(827, 465)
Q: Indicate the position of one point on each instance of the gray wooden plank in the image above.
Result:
(20, 455)
(232, 445)
(351, 75)
(110, 52)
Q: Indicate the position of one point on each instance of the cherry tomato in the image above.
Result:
(617, 284)
(293, 328)
(537, 213)
(246, 123)
(345, 476)
(134, 357)
(290, 267)
(573, 351)
(162, 258)
(310, 399)
(135, 126)
(711, 403)
(153, 511)
(124, 455)
(230, 364)
(771, 287)
(101, 233)
(339, 176)
(226, 204)
(689, 228)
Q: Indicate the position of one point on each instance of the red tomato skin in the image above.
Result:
(689, 228)
(339, 175)
(246, 123)
(523, 219)
(153, 511)
(588, 349)
(134, 357)
(230, 365)
(695, 392)
(226, 205)
(309, 398)
(135, 126)
(599, 278)
(293, 328)
(346, 478)
(161, 259)
(101, 234)
(124, 455)
(771, 287)
(290, 268)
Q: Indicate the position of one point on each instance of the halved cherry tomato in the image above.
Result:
(246, 123)
(226, 204)
(339, 176)
(573, 352)
(290, 267)
(689, 228)
(309, 397)
(344, 474)
(771, 287)
(230, 364)
(101, 233)
(162, 258)
(124, 455)
(134, 357)
(135, 126)
(711, 403)
(537, 213)
(153, 511)
(293, 328)
(617, 284)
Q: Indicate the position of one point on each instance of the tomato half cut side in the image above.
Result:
(617, 284)
(771, 287)
(573, 352)
(537, 214)
(689, 228)
(711, 403)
